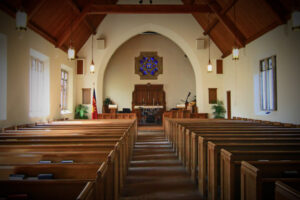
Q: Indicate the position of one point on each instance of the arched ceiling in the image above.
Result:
(62, 21)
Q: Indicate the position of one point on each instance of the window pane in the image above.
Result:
(64, 85)
(264, 95)
(268, 84)
(271, 89)
(270, 63)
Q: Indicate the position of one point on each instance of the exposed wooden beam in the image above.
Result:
(227, 53)
(40, 31)
(37, 7)
(97, 9)
(9, 10)
(262, 31)
(216, 21)
(76, 8)
(277, 10)
(75, 24)
(229, 25)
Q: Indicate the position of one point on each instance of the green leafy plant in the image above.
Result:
(219, 110)
(107, 101)
(81, 111)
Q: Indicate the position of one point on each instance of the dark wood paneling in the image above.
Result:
(79, 66)
(148, 95)
(228, 104)
(86, 95)
(212, 95)
(219, 66)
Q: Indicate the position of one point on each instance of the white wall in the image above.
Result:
(18, 61)
(178, 77)
(241, 77)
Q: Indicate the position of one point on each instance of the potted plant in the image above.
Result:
(81, 111)
(106, 102)
(219, 110)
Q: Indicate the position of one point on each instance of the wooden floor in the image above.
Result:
(155, 171)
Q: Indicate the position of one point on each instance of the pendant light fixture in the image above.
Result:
(235, 49)
(71, 49)
(296, 20)
(209, 66)
(92, 66)
(295, 16)
(21, 20)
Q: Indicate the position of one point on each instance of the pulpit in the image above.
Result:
(148, 101)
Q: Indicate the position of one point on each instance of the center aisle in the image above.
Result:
(155, 171)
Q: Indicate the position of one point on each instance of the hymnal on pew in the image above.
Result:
(32, 178)
(17, 176)
(45, 176)
(45, 161)
(67, 161)
(290, 174)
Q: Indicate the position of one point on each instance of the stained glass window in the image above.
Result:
(148, 65)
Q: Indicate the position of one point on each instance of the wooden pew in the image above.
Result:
(199, 144)
(113, 167)
(92, 137)
(184, 140)
(54, 157)
(88, 192)
(60, 171)
(183, 135)
(213, 159)
(287, 190)
(50, 189)
(200, 158)
(258, 177)
(231, 163)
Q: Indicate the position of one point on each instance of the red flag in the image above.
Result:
(94, 110)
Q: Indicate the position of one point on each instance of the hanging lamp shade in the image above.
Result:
(235, 53)
(92, 67)
(296, 20)
(71, 53)
(209, 67)
(21, 20)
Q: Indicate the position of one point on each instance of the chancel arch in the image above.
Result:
(177, 78)
(181, 42)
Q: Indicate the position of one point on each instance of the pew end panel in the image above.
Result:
(287, 191)
(249, 179)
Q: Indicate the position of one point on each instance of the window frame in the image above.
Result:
(64, 90)
(69, 99)
(268, 84)
(43, 109)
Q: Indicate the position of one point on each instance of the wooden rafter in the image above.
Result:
(35, 9)
(229, 25)
(277, 9)
(76, 8)
(97, 9)
(216, 20)
(75, 24)
(43, 33)
(12, 12)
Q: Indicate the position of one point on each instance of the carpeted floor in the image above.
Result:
(155, 171)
